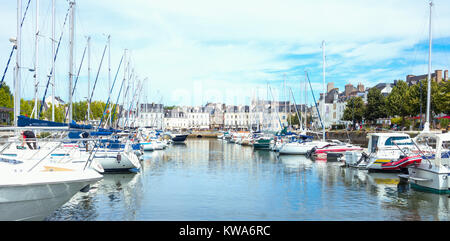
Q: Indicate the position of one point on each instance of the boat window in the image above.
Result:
(389, 141)
(374, 143)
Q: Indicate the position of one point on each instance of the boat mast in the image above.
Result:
(306, 104)
(89, 79)
(427, 122)
(18, 64)
(285, 95)
(324, 93)
(109, 74)
(53, 61)
(36, 51)
(299, 113)
(72, 23)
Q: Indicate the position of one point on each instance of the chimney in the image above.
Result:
(438, 76)
(330, 86)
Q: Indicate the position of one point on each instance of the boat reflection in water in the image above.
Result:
(208, 179)
(295, 163)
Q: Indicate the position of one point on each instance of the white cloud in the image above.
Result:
(238, 45)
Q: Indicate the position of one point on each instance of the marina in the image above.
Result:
(131, 143)
(209, 179)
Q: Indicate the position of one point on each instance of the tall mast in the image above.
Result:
(306, 104)
(72, 26)
(109, 74)
(89, 79)
(53, 62)
(36, 52)
(324, 92)
(427, 123)
(18, 64)
(299, 114)
(285, 95)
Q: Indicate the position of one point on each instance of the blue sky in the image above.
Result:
(227, 51)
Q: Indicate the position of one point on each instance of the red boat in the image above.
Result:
(401, 163)
(337, 148)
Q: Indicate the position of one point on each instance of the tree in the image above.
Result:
(293, 119)
(60, 111)
(397, 102)
(6, 99)
(375, 107)
(442, 98)
(354, 110)
(415, 101)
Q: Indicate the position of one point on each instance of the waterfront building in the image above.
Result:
(151, 116)
(436, 76)
(237, 117)
(175, 119)
(198, 117)
(217, 115)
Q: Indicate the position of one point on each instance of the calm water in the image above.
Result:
(207, 179)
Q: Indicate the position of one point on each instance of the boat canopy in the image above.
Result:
(23, 121)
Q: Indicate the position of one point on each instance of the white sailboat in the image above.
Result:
(433, 172)
(301, 148)
(32, 188)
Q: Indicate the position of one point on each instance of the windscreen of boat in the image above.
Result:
(390, 141)
(374, 140)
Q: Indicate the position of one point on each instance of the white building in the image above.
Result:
(175, 119)
(198, 117)
(58, 101)
(151, 116)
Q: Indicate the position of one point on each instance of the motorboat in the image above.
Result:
(32, 189)
(301, 146)
(261, 142)
(383, 148)
(116, 157)
(179, 138)
(432, 173)
(334, 148)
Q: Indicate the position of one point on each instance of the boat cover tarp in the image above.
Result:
(23, 121)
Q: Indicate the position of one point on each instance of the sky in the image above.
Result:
(199, 51)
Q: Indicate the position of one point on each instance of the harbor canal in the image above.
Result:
(208, 179)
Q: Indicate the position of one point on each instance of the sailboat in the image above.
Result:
(31, 188)
(432, 173)
(306, 144)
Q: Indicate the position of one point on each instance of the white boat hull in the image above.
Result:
(36, 195)
(434, 179)
(118, 161)
(295, 148)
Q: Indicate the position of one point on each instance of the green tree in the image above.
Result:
(442, 98)
(79, 110)
(6, 99)
(59, 113)
(375, 107)
(26, 107)
(293, 119)
(397, 102)
(415, 101)
(354, 110)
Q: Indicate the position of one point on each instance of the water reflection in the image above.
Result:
(208, 179)
(295, 163)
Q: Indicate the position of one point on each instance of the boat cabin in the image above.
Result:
(387, 141)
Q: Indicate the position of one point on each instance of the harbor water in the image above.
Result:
(208, 180)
